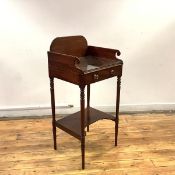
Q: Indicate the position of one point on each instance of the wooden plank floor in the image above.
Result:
(146, 147)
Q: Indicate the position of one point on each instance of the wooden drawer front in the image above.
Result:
(102, 74)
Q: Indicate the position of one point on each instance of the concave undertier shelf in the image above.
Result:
(72, 123)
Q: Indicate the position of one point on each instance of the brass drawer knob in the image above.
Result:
(112, 72)
(96, 76)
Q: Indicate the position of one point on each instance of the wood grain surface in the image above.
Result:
(146, 146)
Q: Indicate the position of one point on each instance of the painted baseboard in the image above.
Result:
(46, 110)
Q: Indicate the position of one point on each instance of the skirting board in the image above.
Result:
(60, 110)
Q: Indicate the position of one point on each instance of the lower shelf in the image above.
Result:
(72, 123)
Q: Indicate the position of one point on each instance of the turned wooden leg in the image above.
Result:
(88, 106)
(82, 124)
(53, 111)
(117, 109)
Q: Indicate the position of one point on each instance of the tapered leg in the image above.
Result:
(88, 106)
(53, 111)
(82, 125)
(117, 109)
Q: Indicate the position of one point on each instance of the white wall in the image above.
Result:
(144, 31)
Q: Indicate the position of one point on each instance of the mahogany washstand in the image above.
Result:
(72, 60)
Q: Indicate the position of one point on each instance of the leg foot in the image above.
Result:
(83, 153)
(53, 111)
(117, 109)
(82, 103)
(88, 106)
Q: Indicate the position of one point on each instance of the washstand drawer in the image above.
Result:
(96, 76)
